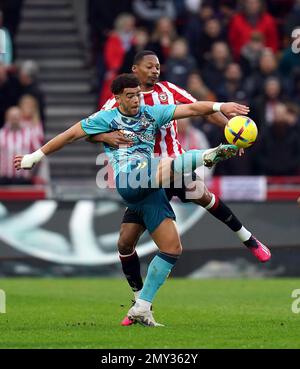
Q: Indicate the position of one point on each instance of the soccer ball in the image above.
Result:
(241, 131)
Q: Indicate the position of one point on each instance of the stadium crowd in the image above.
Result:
(218, 50)
(22, 106)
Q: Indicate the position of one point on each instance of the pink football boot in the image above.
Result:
(126, 321)
(261, 252)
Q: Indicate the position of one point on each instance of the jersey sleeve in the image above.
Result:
(110, 104)
(163, 114)
(180, 95)
(95, 124)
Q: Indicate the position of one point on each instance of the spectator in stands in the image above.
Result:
(253, 17)
(179, 64)
(268, 67)
(192, 6)
(280, 9)
(213, 69)
(263, 106)
(226, 10)
(161, 40)
(295, 86)
(192, 138)
(118, 43)
(28, 85)
(149, 11)
(140, 42)
(279, 150)
(12, 14)
(31, 120)
(232, 88)
(290, 61)
(6, 55)
(198, 89)
(31, 117)
(292, 21)
(8, 94)
(194, 27)
(15, 138)
(251, 53)
(212, 32)
(101, 19)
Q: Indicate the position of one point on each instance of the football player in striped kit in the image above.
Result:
(146, 67)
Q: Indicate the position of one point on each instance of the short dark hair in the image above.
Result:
(125, 80)
(141, 54)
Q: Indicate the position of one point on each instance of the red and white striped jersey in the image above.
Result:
(18, 142)
(167, 143)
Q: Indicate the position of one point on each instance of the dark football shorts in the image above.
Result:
(147, 205)
(132, 216)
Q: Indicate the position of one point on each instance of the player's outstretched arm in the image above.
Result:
(209, 107)
(70, 135)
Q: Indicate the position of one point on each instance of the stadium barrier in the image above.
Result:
(51, 237)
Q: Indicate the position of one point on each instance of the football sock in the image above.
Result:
(136, 294)
(132, 270)
(222, 212)
(243, 234)
(188, 161)
(251, 242)
(158, 271)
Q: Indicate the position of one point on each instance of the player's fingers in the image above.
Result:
(124, 140)
(242, 109)
(18, 166)
(17, 162)
(241, 152)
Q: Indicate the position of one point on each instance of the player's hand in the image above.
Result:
(298, 201)
(17, 163)
(232, 109)
(241, 151)
(114, 139)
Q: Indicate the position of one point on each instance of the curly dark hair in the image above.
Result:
(126, 80)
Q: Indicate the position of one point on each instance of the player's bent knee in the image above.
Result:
(178, 249)
(205, 199)
(126, 246)
(173, 249)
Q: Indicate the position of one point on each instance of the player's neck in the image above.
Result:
(145, 88)
(126, 113)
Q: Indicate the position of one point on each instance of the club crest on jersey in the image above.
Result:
(163, 97)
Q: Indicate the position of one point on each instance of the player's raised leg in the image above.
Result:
(221, 211)
(190, 160)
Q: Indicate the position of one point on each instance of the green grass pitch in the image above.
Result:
(86, 313)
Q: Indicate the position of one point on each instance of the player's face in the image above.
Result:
(129, 100)
(148, 70)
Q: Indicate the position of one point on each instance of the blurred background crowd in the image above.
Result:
(218, 50)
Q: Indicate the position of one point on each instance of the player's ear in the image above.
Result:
(117, 97)
(133, 68)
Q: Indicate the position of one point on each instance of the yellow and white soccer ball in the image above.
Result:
(241, 131)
